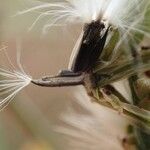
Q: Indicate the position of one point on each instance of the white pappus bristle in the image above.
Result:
(123, 14)
(11, 82)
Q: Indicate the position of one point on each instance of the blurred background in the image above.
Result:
(50, 118)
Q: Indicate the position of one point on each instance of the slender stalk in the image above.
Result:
(138, 116)
(141, 137)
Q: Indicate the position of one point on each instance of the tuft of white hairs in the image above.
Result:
(12, 82)
(126, 15)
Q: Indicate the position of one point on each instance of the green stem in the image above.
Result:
(122, 70)
(135, 97)
(142, 138)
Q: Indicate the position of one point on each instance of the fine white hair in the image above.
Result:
(12, 81)
(127, 17)
(124, 14)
